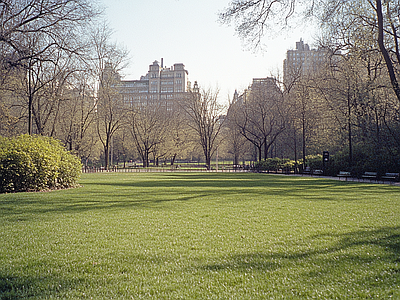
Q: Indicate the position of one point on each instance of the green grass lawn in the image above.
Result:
(202, 236)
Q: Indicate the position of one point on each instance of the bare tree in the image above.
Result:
(77, 114)
(235, 141)
(150, 124)
(253, 18)
(51, 20)
(44, 86)
(261, 117)
(178, 141)
(38, 37)
(112, 110)
(204, 116)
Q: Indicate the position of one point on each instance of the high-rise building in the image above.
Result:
(265, 86)
(161, 84)
(302, 61)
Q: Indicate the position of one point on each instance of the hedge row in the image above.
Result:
(364, 159)
(275, 164)
(35, 163)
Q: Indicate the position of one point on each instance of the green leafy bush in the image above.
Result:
(314, 162)
(275, 164)
(365, 158)
(34, 163)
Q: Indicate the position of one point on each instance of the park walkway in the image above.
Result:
(229, 170)
(347, 179)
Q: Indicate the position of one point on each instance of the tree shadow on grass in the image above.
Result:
(121, 191)
(249, 182)
(343, 267)
(43, 287)
(334, 265)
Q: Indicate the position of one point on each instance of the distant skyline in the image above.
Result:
(182, 31)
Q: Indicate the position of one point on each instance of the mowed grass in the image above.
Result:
(202, 236)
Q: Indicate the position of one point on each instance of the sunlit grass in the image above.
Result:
(202, 236)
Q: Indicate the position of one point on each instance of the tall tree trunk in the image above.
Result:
(304, 144)
(236, 159)
(208, 162)
(30, 103)
(385, 53)
(106, 155)
(173, 159)
(349, 131)
(295, 150)
(265, 148)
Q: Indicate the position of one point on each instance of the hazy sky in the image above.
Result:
(188, 32)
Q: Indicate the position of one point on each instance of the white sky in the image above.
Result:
(188, 32)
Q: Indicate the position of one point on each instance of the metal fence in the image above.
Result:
(162, 169)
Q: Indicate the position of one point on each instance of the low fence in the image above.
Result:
(160, 170)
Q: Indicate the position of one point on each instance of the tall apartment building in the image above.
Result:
(266, 85)
(302, 61)
(160, 85)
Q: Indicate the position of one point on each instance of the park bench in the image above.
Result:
(344, 174)
(307, 170)
(318, 172)
(390, 177)
(370, 175)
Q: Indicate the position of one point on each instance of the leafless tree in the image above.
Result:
(204, 116)
(77, 114)
(356, 94)
(236, 142)
(51, 20)
(253, 18)
(150, 125)
(261, 118)
(112, 110)
(44, 86)
(38, 37)
(179, 140)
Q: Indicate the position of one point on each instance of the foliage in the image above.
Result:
(314, 162)
(366, 158)
(34, 163)
(261, 118)
(202, 236)
(351, 96)
(275, 164)
(203, 115)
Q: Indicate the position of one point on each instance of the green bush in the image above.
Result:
(34, 163)
(275, 164)
(366, 158)
(314, 162)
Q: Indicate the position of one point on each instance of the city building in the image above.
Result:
(161, 85)
(302, 61)
(268, 86)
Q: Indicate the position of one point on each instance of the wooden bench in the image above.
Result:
(390, 177)
(344, 174)
(307, 170)
(318, 172)
(370, 175)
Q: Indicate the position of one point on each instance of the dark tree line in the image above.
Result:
(349, 105)
(59, 69)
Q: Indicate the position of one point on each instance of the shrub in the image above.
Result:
(275, 164)
(34, 163)
(366, 157)
(314, 162)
